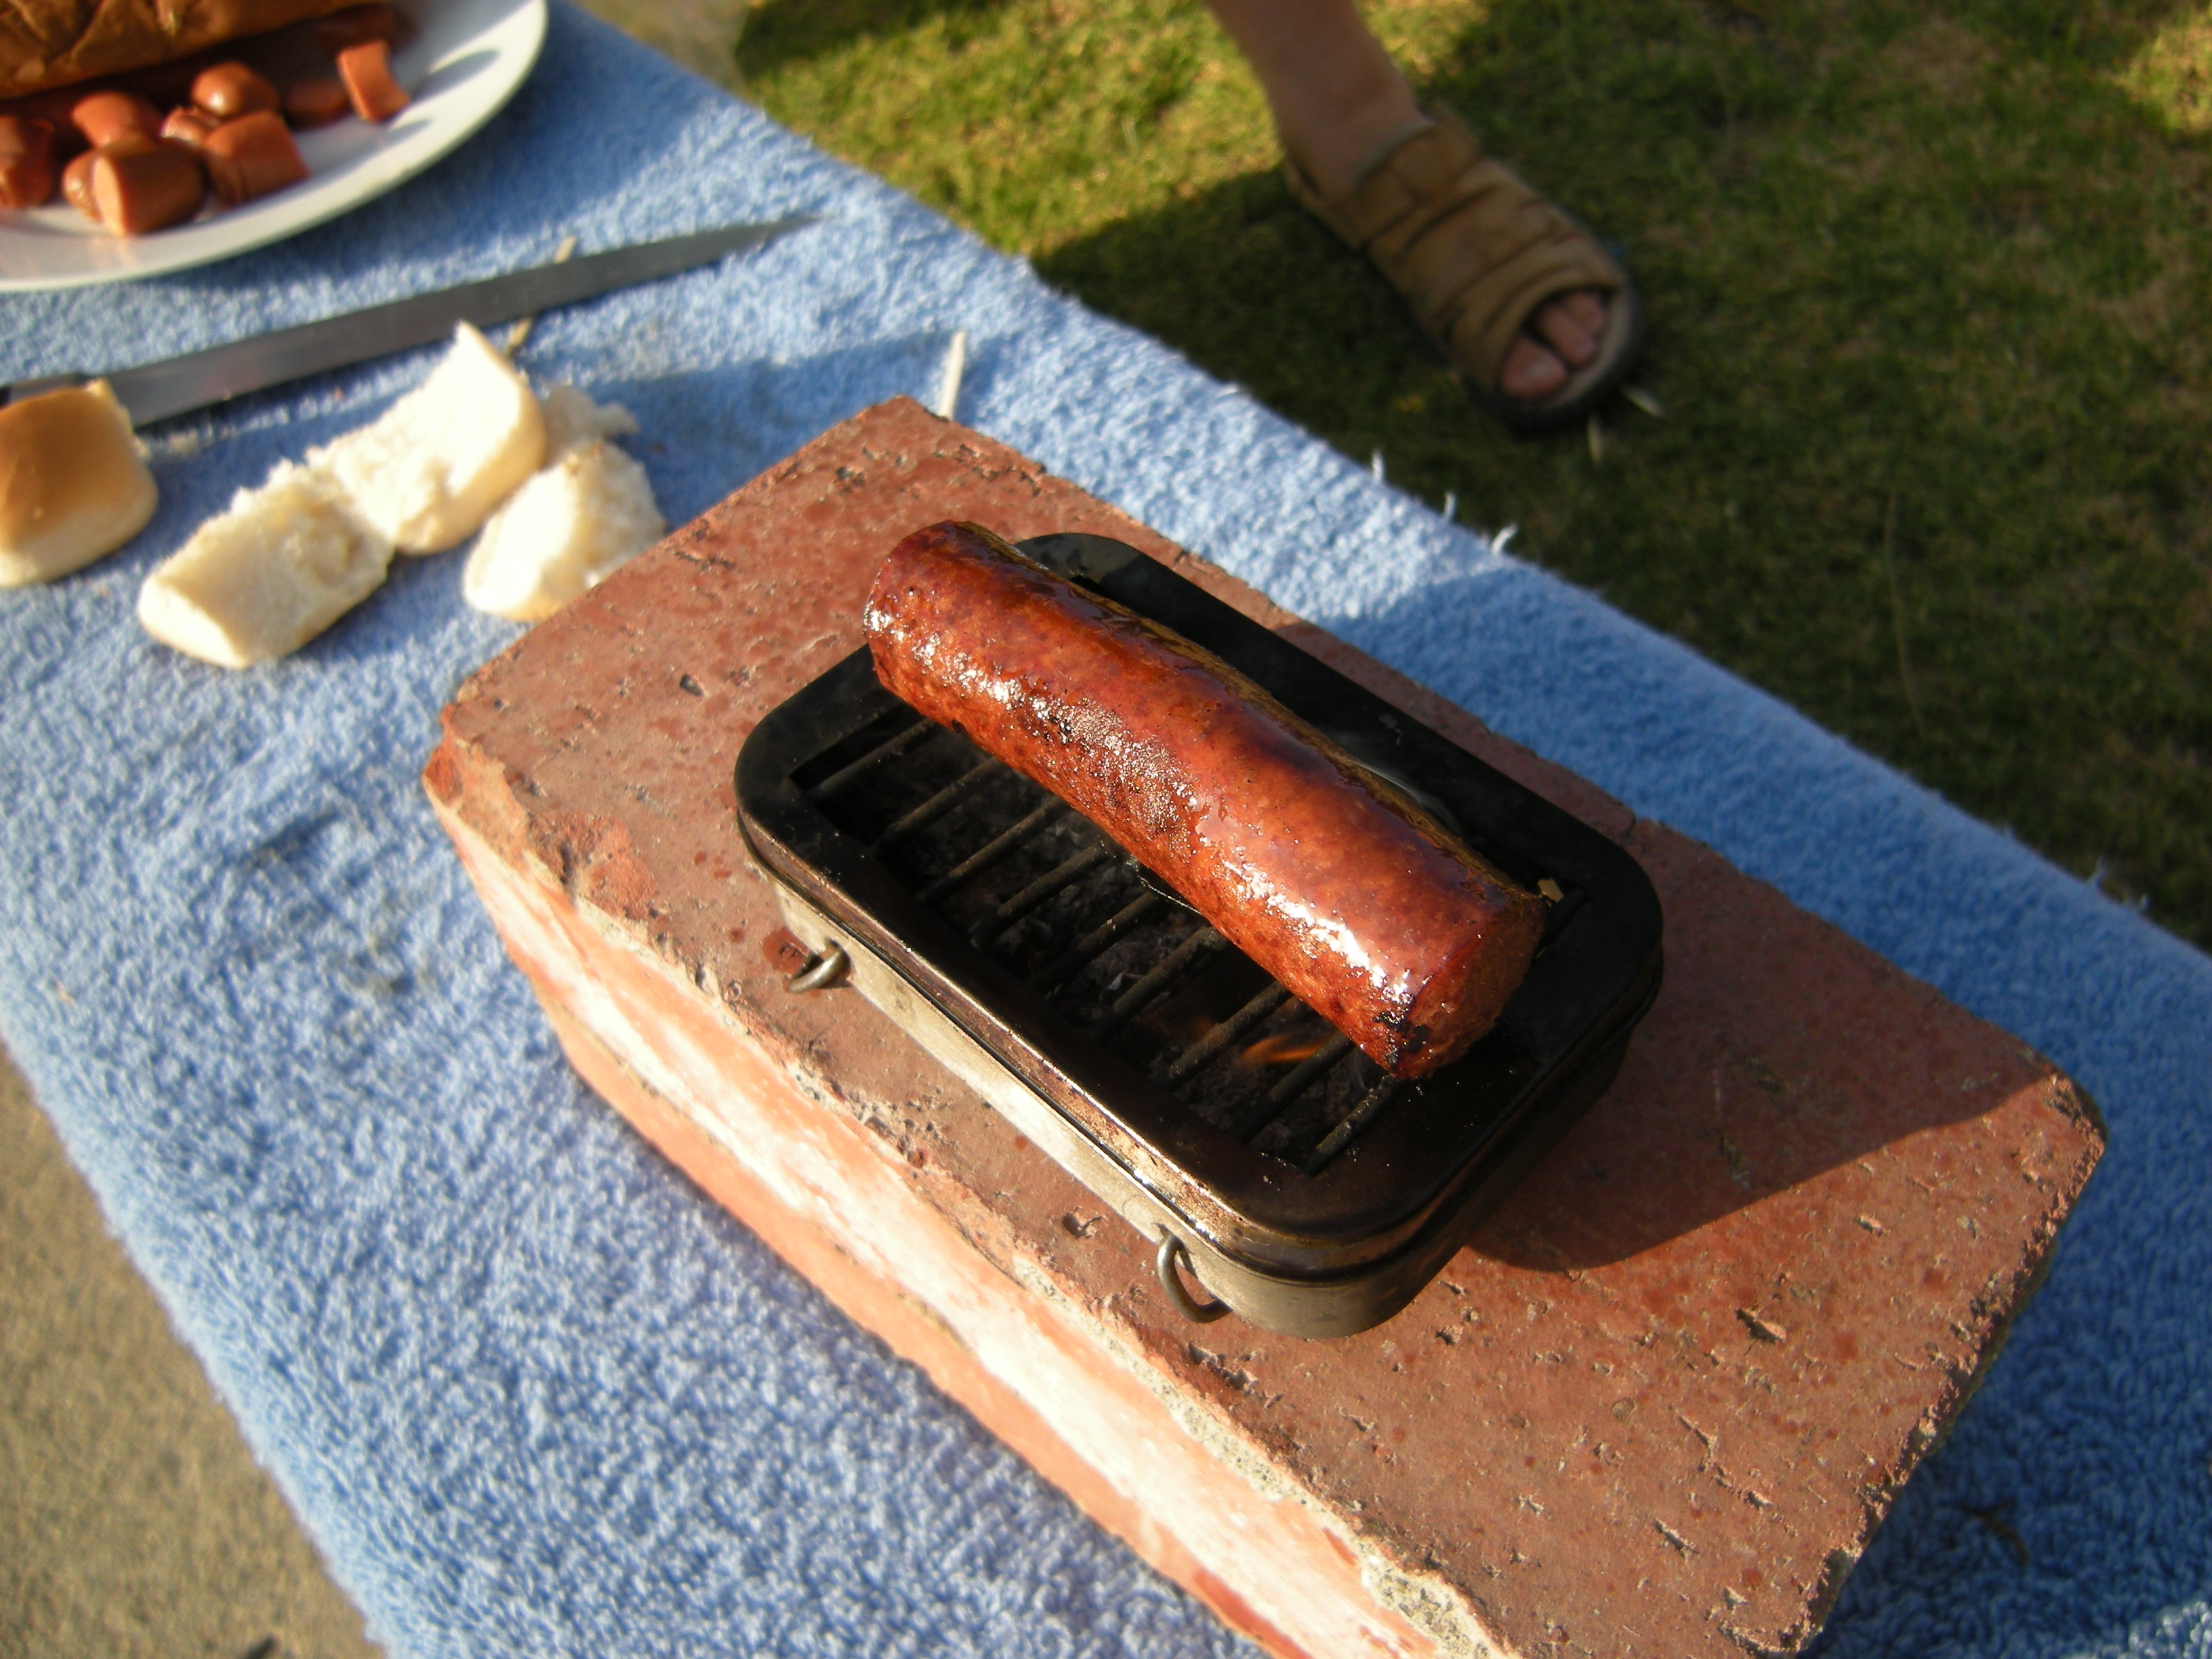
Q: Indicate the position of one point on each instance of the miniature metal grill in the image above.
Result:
(1223, 1118)
(1041, 889)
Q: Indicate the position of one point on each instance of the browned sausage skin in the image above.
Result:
(1332, 881)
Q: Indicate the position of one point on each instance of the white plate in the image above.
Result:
(465, 60)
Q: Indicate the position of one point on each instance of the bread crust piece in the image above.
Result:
(55, 43)
(1335, 882)
(74, 485)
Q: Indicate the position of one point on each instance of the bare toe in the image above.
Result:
(1587, 307)
(1530, 372)
(1559, 326)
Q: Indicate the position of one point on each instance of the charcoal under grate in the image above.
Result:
(1227, 1121)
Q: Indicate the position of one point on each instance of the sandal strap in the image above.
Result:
(1471, 247)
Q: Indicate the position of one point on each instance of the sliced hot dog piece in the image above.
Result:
(316, 103)
(187, 126)
(227, 91)
(1333, 881)
(105, 117)
(138, 187)
(76, 185)
(28, 172)
(252, 157)
(76, 177)
(355, 25)
(367, 71)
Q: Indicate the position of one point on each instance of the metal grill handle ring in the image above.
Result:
(1199, 1313)
(825, 971)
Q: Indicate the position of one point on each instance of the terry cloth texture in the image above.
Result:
(535, 1397)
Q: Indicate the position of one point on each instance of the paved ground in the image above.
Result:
(133, 1520)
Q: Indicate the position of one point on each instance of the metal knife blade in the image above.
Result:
(157, 390)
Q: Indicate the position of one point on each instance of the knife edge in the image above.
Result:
(175, 386)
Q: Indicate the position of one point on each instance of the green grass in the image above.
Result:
(1929, 288)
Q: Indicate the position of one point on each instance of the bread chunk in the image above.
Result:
(429, 471)
(589, 512)
(285, 562)
(73, 483)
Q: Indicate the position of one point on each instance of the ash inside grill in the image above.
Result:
(1109, 944)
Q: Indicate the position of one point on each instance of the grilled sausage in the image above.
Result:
(26, 162)
(250, 157)
(1335, 882)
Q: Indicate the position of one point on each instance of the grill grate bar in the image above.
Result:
(1200, 1053)
(954, 780)
(1070, 961)
(1310, 1067)
(1360, 1117)
(992, 851)
(890, 749)
(1066, 871)
(1133, 1001)
(938, 804)
(1302, 1077)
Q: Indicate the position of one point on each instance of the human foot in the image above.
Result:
(1564, 335)
(1538, 320)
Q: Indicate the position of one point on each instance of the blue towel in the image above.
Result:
(531, 1393)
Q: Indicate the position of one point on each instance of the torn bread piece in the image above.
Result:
(433, 465)
(74, 484)
(587, 513)
(571, 418)
(285, 562)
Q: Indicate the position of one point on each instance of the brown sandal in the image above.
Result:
(1476, 252)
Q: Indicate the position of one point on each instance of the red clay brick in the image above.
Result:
(1655, 1408)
